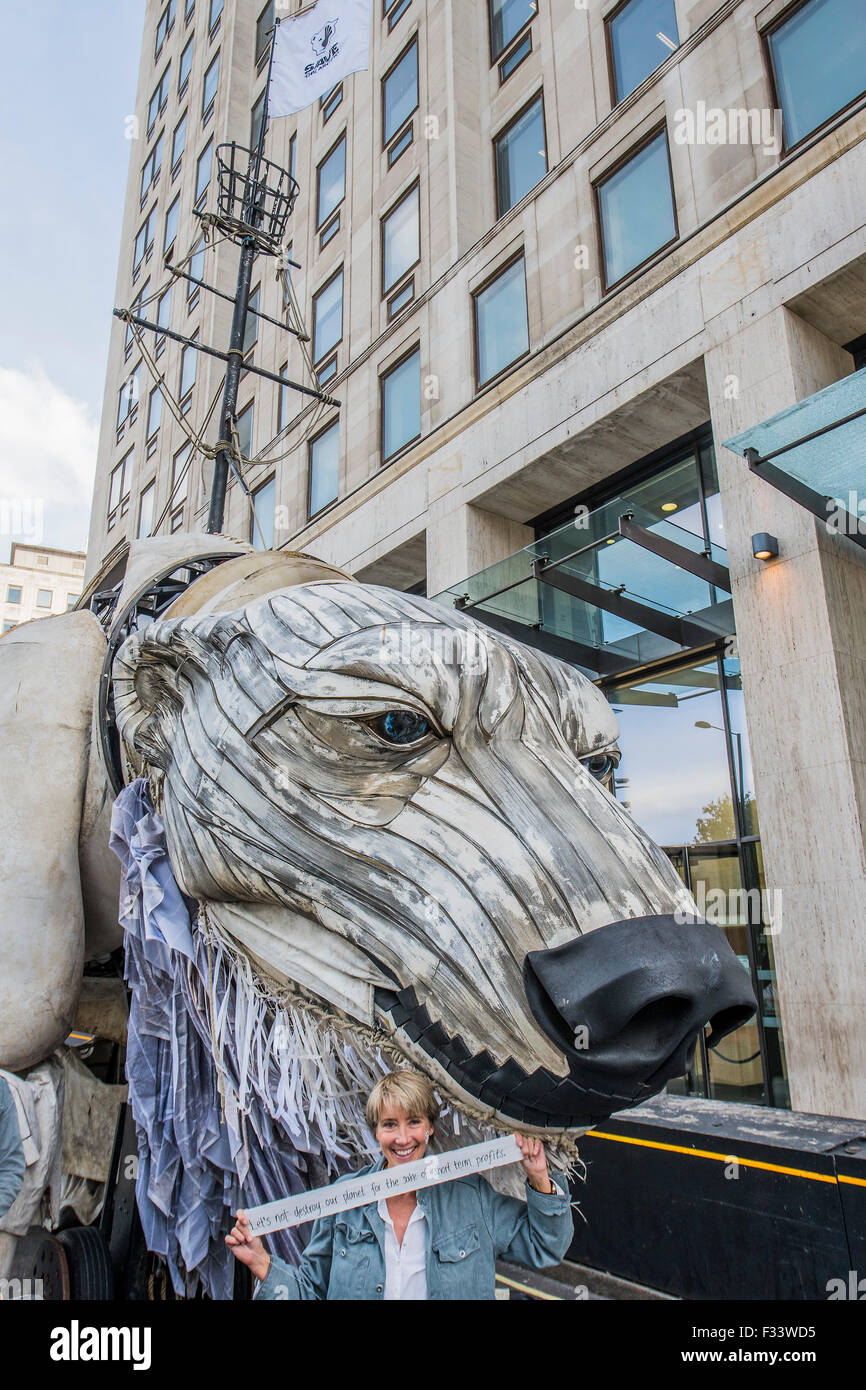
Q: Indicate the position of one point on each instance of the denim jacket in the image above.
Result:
(469, 1225)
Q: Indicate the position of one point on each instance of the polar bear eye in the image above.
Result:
(401, 726)
(600, 765)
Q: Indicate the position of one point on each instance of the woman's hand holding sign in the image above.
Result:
(248, 1248)
(534, 1163)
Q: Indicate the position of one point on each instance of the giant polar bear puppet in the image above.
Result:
(388, 814)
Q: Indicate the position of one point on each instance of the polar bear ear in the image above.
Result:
(147, 700)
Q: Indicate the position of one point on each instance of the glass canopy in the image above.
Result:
(815, 451)
(614, 588)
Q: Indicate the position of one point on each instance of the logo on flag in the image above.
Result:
(338, 33)
(321, 40)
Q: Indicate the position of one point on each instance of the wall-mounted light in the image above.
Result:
(764, 546)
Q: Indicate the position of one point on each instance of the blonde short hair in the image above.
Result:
(409, 1090)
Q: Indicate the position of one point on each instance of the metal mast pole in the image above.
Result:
(222, 462)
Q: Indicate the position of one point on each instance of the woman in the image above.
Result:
(439, 1243)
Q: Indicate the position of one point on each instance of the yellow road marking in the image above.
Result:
(726, 1158)
(525, 1288)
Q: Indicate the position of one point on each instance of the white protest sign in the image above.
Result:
(389, 1182)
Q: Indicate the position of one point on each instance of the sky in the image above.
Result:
(68, 75)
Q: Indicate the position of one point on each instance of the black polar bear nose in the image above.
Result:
(626, 1002)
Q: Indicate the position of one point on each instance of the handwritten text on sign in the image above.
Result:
(389, 1182)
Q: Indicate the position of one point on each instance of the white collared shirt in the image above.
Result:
(406, 1264)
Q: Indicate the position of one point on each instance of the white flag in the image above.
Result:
(315, 51)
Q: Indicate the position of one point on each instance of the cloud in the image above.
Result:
(47, 462)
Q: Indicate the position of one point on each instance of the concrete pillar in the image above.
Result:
(801, 631)
(463, 540)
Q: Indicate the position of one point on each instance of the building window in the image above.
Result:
(119, 487)
(818, 60)
(521, 156)
(185, 68)
(44, 598)
(256, 117)
(178, 143)
(328, 316)
(171, 220)
(501, 324)
(283, 400)
(515, 57)
(507, 19)
(190, 11)
(203, 170)
(245, 430)
(163, 310)
(262, 525)
(324, 468)
(145, 511)
(144, 240)
(137, 306)
(399, 102)
(331, 182)
(154, 412)
(13, 593)
(150, 169)
(164, 26)
(209, 91)
(264, 25)
(640, 35)
(636, 209)
(401, 405)
(188, 361)
(127, 398)
(216, 9)
(157, 102)
(179, 485)
(330, 102)
(401, 240)
(71, 600)
(395, 10)
(251, 324)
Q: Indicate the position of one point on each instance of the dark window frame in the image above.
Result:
(260, 54)
(765, 35)
(517, 44)
(389, 7)
(383, 377)
(500, 135)
(392, 140)
(315, 439)
(321, 164)
(183, 82)
(316, 296)
(615, 100)
(207, 111)
(634, 150)
(331, 102)
(389, 291)
(181, 121)
(500, 57)
(500, 270)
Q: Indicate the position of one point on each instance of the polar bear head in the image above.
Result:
(360, 767)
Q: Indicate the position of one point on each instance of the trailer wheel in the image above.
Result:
(91, 1274)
